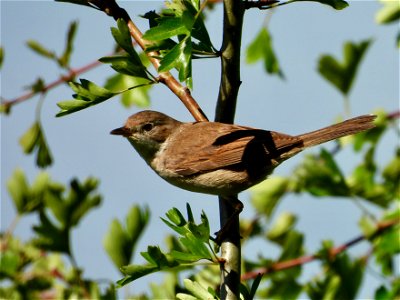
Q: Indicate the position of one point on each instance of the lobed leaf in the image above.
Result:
(261, 49)
(342, 74)
(167, 27)
(120, 241)
(87, 94)
(33, 139)
(123, 38)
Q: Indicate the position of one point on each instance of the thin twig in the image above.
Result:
(381, 227)
(62, 79)
(112, 9)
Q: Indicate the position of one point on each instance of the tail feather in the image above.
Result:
(348, 127)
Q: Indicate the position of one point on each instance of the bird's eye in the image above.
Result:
(147, 127)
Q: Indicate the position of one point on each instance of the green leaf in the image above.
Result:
(9, 263)
(292, 248)
(34, 138)
(137, 96)
(54, 231)
(28, 198)
(117, 244)
(343, 275)
(342, 74)
(186, 256)
(134, 272)
(50, 236)
(136, 221)
(125, 65)
(390, 12)
(18, 189)
(282, 226)
(69, 209)
(158, 261)
(266, 195)
(89, 91)
(382, 293)
(255, 286)
(123, 38)
(261, 49)
(120, 242)
(320, 176)
(41, 50)
(195, 245)
(336, 4)
(44, 157)
(285, 289)
(176, 217)
(38, 86)
(197, 290)
(64, 59)
(180, 58)
(168, 27)
(87, 94)
(28, 140)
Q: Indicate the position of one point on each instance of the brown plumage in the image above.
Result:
(217, 158)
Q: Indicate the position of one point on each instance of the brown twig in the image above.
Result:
(394, 115)
(381, 227)
(112, 9)
(62, 79)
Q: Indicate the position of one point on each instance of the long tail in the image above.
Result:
(348, 127)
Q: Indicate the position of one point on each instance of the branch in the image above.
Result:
(112, 9)
(62, 79)
(225, 111)
(380, 228)
(394, 115)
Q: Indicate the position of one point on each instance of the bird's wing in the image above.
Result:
(230, 146)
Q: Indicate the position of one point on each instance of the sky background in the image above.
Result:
(82, 147)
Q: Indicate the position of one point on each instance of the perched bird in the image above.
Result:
(217, 158)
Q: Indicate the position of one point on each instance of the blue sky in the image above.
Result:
(82, 146)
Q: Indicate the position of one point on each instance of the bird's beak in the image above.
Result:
(125, 132)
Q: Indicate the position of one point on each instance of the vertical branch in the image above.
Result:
(225, 111)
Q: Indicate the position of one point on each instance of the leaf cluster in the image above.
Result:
(192, 246)
(37, 268)
(181, 20)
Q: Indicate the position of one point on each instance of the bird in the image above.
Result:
(217, 158)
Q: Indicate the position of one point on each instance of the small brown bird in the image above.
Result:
(220, 159)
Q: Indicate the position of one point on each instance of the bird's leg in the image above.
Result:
(236, 207)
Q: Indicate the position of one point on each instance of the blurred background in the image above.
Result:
(81, 144)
